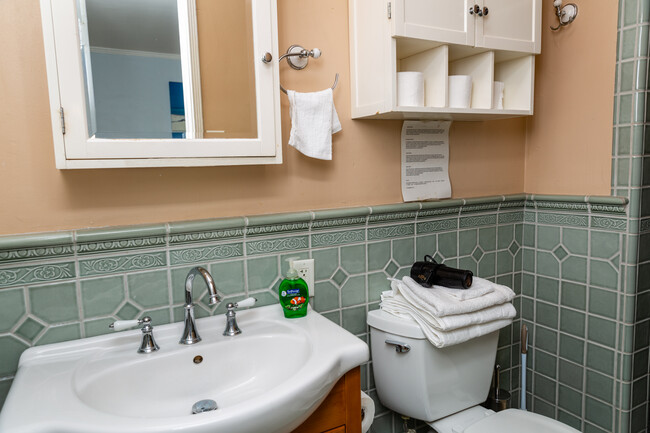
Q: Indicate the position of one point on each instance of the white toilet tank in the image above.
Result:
(425, 382)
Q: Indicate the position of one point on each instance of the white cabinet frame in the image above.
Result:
(74, 148)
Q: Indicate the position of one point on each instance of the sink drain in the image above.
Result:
(204, 406)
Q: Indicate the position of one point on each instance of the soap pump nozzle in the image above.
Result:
(292, 273)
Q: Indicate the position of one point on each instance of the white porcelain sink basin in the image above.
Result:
(268, 379)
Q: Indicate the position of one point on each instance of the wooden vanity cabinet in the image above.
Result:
(340, 412)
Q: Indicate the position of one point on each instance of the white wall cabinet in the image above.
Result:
(491, 40)
(77, 147)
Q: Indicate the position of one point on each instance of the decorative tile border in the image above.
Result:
(511, 217)
(36, 246)
(268, 246)
(393, 213)
(337, 238)
(262, 230)
(207, 236)
(390, 231)
(109, 265)
(326, 219)
(94, 241)
(437, 226)
(573, 207)
(120, 244)
(205, 254)
(477, 221)
(38, 253)
(36, 274)
(277, 224)
(618, 224)
(563, 219)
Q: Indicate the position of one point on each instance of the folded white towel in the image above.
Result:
(440, 304)
(479, 287)
(396, 304)
(461, 335)
(313, 121)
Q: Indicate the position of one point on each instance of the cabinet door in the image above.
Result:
(512, 25)
(77, 145)
(436, 20)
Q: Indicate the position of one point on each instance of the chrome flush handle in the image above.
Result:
(399, 346)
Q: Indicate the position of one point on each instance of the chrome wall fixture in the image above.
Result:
(565, 13)
(298, 58)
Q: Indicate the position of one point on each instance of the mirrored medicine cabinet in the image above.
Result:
(162, 83)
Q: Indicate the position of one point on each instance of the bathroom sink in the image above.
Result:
(268, 379)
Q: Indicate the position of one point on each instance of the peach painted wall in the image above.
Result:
(487, 158)
(569, 139)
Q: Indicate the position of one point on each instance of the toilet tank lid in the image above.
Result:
(516, 421)
(402, 326)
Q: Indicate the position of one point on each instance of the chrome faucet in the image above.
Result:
(190, 334)
(148, 343)
(231, 319)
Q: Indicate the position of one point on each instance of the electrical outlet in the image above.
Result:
(305, 269)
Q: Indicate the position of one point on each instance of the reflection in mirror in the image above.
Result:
(132, 65)
(136, 70)
(225, 32)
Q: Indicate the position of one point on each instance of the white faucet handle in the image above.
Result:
(248, 302)
(121, 325)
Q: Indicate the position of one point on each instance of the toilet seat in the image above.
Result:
(481, 420)
(516, 421)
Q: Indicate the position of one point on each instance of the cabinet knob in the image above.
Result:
(485, 11)
(476, 9)
(267, 57)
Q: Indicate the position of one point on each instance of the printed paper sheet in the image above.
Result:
(425, 160)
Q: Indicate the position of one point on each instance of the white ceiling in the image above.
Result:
(140, 25)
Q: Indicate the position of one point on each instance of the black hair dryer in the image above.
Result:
(429, 272)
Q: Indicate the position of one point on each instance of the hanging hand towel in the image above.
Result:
(313, 121)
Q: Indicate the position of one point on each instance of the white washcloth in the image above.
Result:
(441, 304)
(479, 287)
(313, 121)
(396, 304)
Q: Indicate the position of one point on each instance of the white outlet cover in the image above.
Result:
(305, 269)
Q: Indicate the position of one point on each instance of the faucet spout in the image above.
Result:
(209, 281)
(190, 334)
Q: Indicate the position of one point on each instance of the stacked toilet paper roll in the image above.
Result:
(410, 89)
(460, 91)
(497, 96)
(367, 412)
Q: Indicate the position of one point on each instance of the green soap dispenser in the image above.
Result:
(294, 293)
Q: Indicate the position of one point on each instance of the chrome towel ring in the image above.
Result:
(298, 58)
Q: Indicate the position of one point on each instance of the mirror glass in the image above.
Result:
(131, 52)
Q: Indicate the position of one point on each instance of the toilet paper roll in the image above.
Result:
(410, 89)
(497, 95)
(460, 91)
(367, 412)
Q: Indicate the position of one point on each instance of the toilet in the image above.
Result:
(443, 386)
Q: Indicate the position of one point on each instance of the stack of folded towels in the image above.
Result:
(451, 316)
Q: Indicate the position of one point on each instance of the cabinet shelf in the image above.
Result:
(446, 113)
(417, 38)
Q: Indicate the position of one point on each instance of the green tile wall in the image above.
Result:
(563, 255)
(629, 324)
